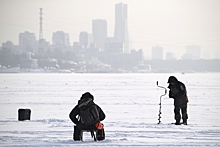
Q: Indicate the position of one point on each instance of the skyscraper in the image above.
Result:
(121, 29)
(99, 32)
(157, 52)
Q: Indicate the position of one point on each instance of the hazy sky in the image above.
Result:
(173, 24)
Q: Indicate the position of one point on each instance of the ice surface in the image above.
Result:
(130, 102)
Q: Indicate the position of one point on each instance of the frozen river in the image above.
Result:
(130, 102)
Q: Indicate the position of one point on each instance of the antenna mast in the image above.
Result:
(41, 32)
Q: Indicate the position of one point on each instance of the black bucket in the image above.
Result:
(24, 114)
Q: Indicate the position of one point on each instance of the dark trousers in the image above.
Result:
(77, 135)
(178, 115)
(78, 130)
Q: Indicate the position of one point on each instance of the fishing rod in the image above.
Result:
(160, 102)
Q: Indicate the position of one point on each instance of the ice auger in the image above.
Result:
(159, 115)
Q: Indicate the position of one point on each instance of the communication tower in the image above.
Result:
(41, 32)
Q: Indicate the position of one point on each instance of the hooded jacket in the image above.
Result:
(178, 93)
(87, 98)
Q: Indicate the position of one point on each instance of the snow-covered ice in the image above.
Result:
(130, 102)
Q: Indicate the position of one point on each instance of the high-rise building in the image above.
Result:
(121, 28)
(193, 51)
(85, 39)
(99, 33)
(60, 37)
(114, 47)
(157, 52)
(28, 42)
(170, 56)
(7, 46)
(61, 40)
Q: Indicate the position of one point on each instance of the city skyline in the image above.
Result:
(170, 24)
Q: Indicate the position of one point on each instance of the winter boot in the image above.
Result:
(177, 118)
(76, 134)
(185, 117)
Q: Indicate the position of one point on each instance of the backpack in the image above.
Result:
(88, 111)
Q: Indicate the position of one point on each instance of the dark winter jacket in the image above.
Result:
(179, 94)
(75, 112)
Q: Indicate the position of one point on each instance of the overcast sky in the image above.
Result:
(173, 24)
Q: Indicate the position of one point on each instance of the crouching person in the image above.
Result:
(87, 116)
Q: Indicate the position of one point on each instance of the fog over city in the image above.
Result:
(170, 24)
(110, 36)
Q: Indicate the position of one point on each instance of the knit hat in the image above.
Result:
(87, 95)
(172, 79)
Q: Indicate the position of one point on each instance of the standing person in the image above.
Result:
(179, 94)
(87, 116)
